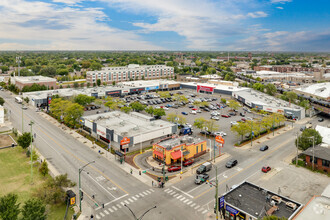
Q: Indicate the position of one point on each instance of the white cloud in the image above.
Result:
(280, 1)
(258, 14)
(281, 8)
(46, 26)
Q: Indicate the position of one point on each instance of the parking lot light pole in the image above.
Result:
(80, 170)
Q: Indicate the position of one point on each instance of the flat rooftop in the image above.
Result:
(264, 99)
(317, 208)
(216, 86)
(176, 141)
(132, 124)
(256, 201)
(147, 83)
(318, 89)
(33, 79)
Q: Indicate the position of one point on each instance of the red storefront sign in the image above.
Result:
(205, 88)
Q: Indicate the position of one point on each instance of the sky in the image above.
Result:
(202, 25)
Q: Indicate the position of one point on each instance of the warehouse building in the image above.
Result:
(130, 72)
(174, 148)
(318, 90)
(141, 130)
(262, 101)
(251, 202)
(21, 81)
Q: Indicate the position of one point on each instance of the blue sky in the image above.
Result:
(258, 25)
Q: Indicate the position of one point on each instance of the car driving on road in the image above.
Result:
(231, 163)
(201, 178)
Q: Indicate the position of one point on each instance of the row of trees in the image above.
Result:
(266, 124)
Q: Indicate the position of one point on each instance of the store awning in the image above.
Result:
(159, 154)
(176, 155)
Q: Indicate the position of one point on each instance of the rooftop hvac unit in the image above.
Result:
(122, 123)
(291, 205)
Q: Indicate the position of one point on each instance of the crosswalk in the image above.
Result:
(185, 200)
(111, 208)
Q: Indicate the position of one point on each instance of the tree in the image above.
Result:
(44, 168)
(9, 209)
(34, 209)
(72, 113)
(273, 217)
(211, 125)
(88, 84)
(200, 123)
(113, 83)
(171, 117)
(164, 94)
(233, 104)
(75, 85)
(270, 89)
(240, 129)
(26, 99)
(223, 100)
(24, 140)
(85, 64)
(305, 140)
(113, 103)
(137, 106)
(2, 101)
(150, 110)
(159, 112)
(96, 66)
(258, 86)
(98, 102)
(205, 104)
(98, 82)
(181, 119)
(126, 109)
(83, 100)
(292, 96)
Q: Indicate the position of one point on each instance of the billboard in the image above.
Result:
(205, 88)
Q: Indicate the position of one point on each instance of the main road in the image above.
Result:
(114, 187)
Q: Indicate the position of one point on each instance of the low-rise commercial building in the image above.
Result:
(141, 130)
(262, 101)
(268, 76)
(321, 154)
(152, 85)
(130, 72)
(174, 148)
(318, 90)
(251, 202)
(211, 88)
(21, 81)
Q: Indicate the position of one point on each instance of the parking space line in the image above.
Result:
(145, 193)
(110, 209)
(185, 201)
(176, 195)
(200, 209)
(169, 191)
(114, 207)
(197, 207)
(172, 193)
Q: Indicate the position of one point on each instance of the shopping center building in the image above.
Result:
(174, 148)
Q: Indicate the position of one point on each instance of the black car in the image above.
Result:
(264, 148)
(205, 132)
(190, 106)
(232, 113)
(231, 163)
(242, 114)
(320, 119)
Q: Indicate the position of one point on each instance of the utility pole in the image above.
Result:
(313, 151)
(273, 123)
(251, 131)
(22, 118)
(31, 123)
(216, 185)
(80, 192)
(297, 148)
(214, 150)
(164, 165)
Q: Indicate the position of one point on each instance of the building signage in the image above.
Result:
(137, 90)
(101, 132)
(113, 92)
(248, 103)
(152, 88)
(125, 141)
(205, 88)
(231, 210)
(125, 91)
(219, 139)
(221, 202)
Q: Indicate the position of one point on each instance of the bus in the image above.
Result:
(18, 100)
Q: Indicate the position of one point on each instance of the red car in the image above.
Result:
(243, 119)
(173, 168)
(266, 169)
(225, 116)
(195, 109)
(187, 163)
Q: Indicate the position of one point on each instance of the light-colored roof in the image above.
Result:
(318, 89)
(325, 133)
(33, 79)
(217, 86)
(317, 208)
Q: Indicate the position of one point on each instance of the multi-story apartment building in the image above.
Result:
(130, 72)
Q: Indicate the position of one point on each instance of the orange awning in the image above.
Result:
(176, 155)
(159, 154)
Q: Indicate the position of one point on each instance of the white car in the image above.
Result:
(199, 111)
(165, 108)
(193, 112)
(215, 113)
(221, 133)
(233, 123)
(215, 118)
(249, 119)
(157, 107)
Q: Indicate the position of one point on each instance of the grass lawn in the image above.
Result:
(15, 171)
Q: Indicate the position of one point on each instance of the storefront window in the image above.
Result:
(201, 147)
(197, 149)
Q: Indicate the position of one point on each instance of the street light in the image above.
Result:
(22, 119)
(31, 123)
(313, 150)
(135, 218)
(80, 170)
(216, 191)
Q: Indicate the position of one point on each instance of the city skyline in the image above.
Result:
(246, 25)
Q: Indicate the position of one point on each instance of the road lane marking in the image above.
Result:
(131, 200)
(197, 207)
(145, 193)
(200, 209)
(192, 205)
(114, 207)
(182, 198)
(152, 190)
(188, 203)
(179, 197)
(257, 161)
(169, 191)
(185, 201)
(182, 191)
(113, 201)
(102, 214)
(101, 186)
(98, 217)
(172, 193)
(141, 194)
(205, 211)
(106, 212)
(166, 189)
(148, 191)
(176, 195)
(134, 198)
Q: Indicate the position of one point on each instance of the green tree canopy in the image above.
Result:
(34, 209)
(24, 140)
(159, 112)
(150, 110)
(240, 129)
(44, 168)
(171, 117)
(137, 106)
(181, 119)
(83, 100)
(233, 104)
(126, 109)
(200, 123)
(9, 209)
(270, 89)
(98, 82)
(2, 101)
(305, 140)
(72, 114)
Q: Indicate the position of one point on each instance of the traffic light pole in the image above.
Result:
(216, 193)
(80, 192)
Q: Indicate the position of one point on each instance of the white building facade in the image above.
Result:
(130, 72)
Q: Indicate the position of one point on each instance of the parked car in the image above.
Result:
(187, 163)
(215, 118)
(193, 112)
(232, 113)
(232, 123)
(201, 178)
(225, 116)
(173, 168)
(266, 169)
(221, 133)
(205, 132)
(242, 114)
(190, 106)
(320, 119)
(264, 148)
(243, 119)
(184, 113)
(231, 163)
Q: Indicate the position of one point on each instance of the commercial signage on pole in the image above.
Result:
(221, 202)
(231, 210)
(125, 142)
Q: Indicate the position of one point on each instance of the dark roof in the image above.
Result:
(319, 152)
(252, 200)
